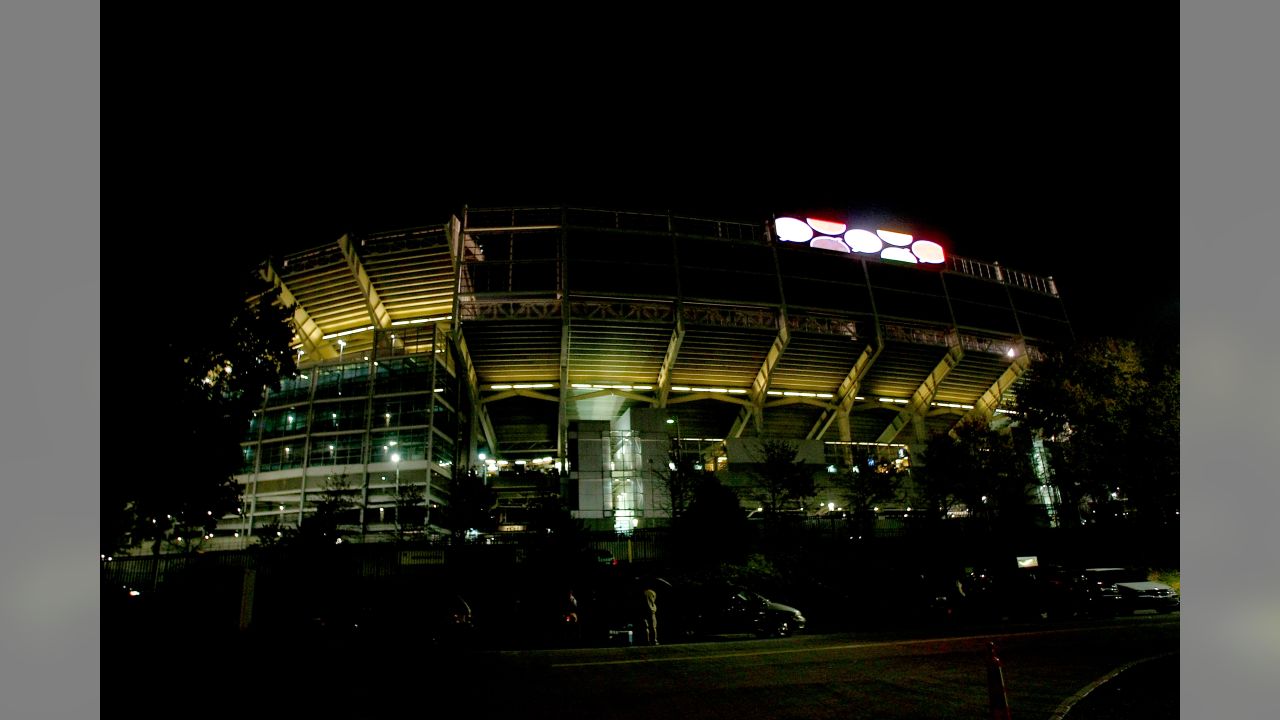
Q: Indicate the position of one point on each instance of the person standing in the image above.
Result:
(650, 614)
(572, 629)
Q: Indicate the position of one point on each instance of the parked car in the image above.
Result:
(720, 610)
(1117, 590)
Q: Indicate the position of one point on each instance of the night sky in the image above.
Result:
(1050, 154)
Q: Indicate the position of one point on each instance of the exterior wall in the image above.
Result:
(547, 305)
(617, 468)
(347, 420)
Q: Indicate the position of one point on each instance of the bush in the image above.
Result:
(1170, 577)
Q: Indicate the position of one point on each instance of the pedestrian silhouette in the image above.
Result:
(649, 613)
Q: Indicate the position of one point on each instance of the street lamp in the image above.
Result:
(342, 345)
(395, 458)
(674, 419)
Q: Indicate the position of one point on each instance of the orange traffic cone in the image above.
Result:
(999, 698)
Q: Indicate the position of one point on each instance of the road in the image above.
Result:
(805, 677)
(847, 675)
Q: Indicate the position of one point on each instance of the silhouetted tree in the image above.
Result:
(715, 528)
(869, 483)
(978, 466)
(677, 479)
(781, 478)
(471, 503)
(207, 385)
(1108, 417)
(409, 499)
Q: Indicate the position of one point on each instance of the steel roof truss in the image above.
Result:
(847, 393)
(308, 331)
(990, 400)
(760, 385)
(669, 362)
(923, 396)
(377, 310)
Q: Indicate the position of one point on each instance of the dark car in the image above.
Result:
(1116, 590)
(724, 610)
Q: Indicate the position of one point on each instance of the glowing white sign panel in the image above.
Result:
(830, 235)
(928, 251)
(792, 230)
(863, 241)
(898, 253)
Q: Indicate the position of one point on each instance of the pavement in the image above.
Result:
(1143, 691)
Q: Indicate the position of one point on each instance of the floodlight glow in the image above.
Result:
(395, 457)
(928, 251)
(792, 230)
(863, 241)
(898, 253)
(894, 238)
(822, 242)
(826, 227)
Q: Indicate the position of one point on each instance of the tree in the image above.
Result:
(471, 503)
(715, 527)
(980, 467)
(408, 499)
(678, 481)
(781, 478)
(1108, 417)
(319, 529)
(869, 483)
(206, 378)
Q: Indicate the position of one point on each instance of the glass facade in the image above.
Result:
(390, 413)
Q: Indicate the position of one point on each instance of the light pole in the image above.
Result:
(342, 345)
(677, 483)
(395, 458)
(675, 419)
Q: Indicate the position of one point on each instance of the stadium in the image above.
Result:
(570, 351)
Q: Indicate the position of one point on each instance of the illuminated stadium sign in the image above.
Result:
(888, 245)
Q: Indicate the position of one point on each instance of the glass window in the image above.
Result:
(284, 421)
(409, 444)
(446, 421)
(281, 455)
(336, 416)
(248, 457)
(292, 389)
(400, 375)
(401, 411)
(336, 449)
(446, 385)
(442, 451)
(252, 427)
(406, 340)
(350, 379)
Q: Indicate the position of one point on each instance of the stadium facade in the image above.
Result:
(567, 351)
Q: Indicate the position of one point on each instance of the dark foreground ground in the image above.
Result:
(1146, 690)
